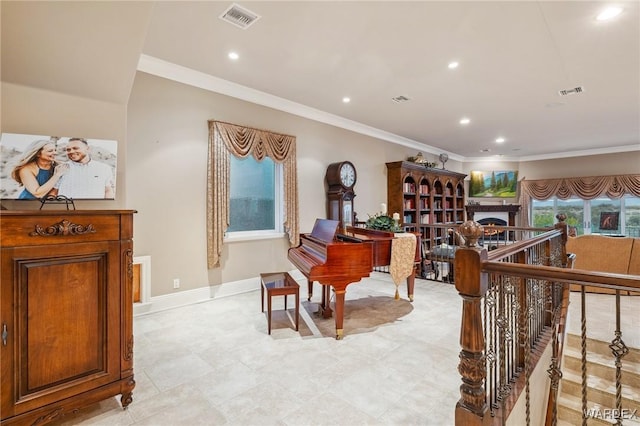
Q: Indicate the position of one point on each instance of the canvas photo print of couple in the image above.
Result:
(33, 167)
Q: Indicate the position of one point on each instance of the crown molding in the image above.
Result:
(161, 68)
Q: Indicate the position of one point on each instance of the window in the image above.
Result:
(631, 216)
(597, 216)
(575, 211)
(255, 194)
(543, 213)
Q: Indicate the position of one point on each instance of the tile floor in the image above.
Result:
(213, 363)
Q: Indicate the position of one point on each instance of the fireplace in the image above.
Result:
(505, 213)
(490, 232)
(492, 221)
(493, 215)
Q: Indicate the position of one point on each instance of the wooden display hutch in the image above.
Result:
(425, 196)
(66, 312)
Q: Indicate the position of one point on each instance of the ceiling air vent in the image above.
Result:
(400, 99)
(239, 16)
(572, 91)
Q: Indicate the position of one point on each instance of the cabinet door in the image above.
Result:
(62, 317)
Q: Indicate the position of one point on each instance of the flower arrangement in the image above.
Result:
(383, 222)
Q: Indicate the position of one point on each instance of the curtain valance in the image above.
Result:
(586, 188)
(227, 139)
(244, 141)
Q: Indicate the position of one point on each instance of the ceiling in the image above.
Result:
(304, 57)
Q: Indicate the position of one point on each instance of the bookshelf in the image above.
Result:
(424, 197)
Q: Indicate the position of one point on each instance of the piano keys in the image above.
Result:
(337, 260)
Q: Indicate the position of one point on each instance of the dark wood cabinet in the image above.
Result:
(66, 312)
(425, 197)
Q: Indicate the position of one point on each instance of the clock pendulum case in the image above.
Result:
(341, 178)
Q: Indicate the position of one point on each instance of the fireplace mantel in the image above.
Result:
(511, 209)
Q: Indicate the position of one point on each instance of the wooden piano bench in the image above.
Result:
(279, 284)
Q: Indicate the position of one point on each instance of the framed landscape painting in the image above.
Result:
(40, 166)
(498, 183)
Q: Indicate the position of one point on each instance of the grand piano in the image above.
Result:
(336, 260)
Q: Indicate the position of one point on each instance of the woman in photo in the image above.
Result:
(37, 170)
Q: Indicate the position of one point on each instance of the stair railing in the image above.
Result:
(514, 304)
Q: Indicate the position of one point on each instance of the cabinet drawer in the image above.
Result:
(58, 229)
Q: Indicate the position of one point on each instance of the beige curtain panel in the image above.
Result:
(586, 188)
(227, 139)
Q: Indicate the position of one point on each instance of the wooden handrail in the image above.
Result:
(485, 277)
(571, 276)
(519, 246)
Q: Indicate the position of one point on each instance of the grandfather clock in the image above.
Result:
(341, 177)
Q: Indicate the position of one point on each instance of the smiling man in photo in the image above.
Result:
(86, 178)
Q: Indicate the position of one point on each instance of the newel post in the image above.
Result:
(562, 225)
(472, 285)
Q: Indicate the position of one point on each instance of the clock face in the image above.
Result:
(347, 174)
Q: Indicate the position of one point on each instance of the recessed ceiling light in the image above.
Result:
(233, 56)
(453, 65)
(465, 120)
(346, 99)
(499, 140)
(608, 13)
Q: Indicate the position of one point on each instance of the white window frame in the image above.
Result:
(586, 225)
(265, 234)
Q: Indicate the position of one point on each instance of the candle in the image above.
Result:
(396, 216)
(383, 208)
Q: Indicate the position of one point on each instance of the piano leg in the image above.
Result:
(339, 313)
(310, 290)
(325, 306)
(339, 289)
(411, 280)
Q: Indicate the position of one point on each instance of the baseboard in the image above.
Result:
(199, 295)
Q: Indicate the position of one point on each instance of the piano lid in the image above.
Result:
(325, 229)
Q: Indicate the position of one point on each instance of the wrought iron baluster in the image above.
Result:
(501, 322)
(583, 353)
(491, 343)
(619, 350)
(527, 358)
(554, 371)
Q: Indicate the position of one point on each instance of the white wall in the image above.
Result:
(166, 179)
(162, 153)
(539, 385)
(42, 112)
(602, 165)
